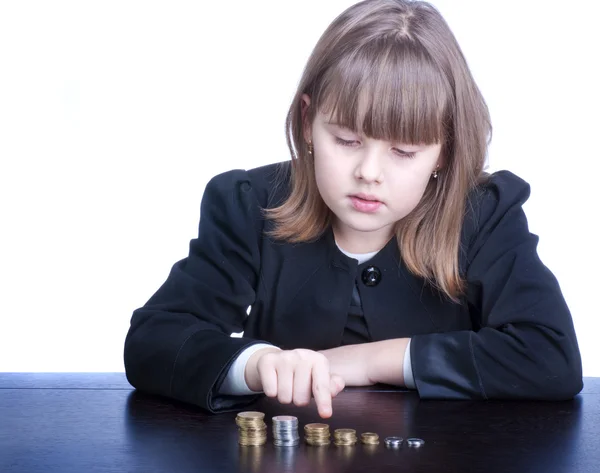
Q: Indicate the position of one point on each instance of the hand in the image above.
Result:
(292, 376)
(366, 364)
(351, 363)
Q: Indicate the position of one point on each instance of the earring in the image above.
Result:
(310, 148)
(435, 173)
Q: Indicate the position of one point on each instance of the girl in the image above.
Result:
(380, 253)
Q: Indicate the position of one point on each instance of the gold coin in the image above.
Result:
(250, 425)
(251, 415)
(344, 431)
(317, 434)
(317, 442)
(252, 444)
(369, 438)
(252, 432)
(252, 428)
(244, 433)
(246, 420)
(316, 427)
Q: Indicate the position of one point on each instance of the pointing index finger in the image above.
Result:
(321, 389)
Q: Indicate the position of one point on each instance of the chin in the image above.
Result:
(360, 225)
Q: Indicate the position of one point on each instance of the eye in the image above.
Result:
(399, 153)
(403, 154)
(344, 142)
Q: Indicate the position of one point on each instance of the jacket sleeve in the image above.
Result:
(179, 344)
(523, 345)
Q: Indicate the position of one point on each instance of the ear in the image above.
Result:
(306, 126)
(441, 161)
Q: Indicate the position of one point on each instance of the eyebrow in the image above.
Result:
(419, 147)
(334, 123)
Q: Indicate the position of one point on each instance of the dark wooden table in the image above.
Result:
(97, 423)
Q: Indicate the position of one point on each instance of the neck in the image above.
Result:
(357, 242)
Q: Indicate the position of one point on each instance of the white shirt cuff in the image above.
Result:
(235, 381)
(409, 380)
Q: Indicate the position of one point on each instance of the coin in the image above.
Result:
(250, 419)
(344, 432)
(317, 434)
(344, 437)
(316, 427)
(292, 419)
(369, 438)
(285, 431)
(393, 442)
(415, 443)
(252, 429)
(251, 415)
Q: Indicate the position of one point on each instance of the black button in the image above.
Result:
(371, 276)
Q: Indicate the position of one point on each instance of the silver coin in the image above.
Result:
(285, 419)
(285, 431)
(286, 438)
(279, 443)
(414, 442)
(285, 428)
(393, 442)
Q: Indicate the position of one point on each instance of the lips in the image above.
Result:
(365, 203)
(367, 197)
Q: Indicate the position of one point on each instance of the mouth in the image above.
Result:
(365, 197)
(365, 203)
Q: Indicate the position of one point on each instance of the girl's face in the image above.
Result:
(368, 184)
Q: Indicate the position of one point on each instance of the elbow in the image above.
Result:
(131, 360)
(561, 388)
(561, 380)
(135, 359)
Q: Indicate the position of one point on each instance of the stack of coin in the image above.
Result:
(393, 442)
(316, 434)
(285, 431)
(415, 442)
(344, 437)
(369, 438)
(252, 428)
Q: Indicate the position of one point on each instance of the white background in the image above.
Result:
(114, 115)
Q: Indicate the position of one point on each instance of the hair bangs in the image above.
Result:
(388, 89)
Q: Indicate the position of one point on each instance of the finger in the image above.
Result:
(285, 383)
(337, 384)
(302, 384)
(321, 389)
(268, 377)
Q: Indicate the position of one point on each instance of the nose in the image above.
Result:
(369, 169)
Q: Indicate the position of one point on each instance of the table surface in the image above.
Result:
(96, 422)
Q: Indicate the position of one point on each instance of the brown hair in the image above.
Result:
(402, 56)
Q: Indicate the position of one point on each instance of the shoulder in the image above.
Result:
(267, 185)
(498, 192)
(495, 207)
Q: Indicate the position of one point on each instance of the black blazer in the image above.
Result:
(511, 337)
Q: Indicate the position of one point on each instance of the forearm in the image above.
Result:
(164, 356)
(234, 383)
(522, 361)
(369, 363)
(251, 375)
